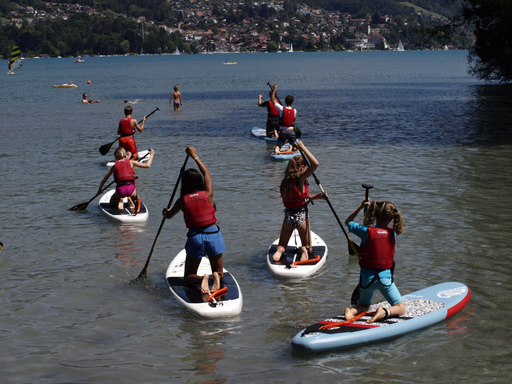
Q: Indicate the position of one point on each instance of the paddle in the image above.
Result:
(1, 246)
(356, 294)
(82, 206)
(353, 249)
(105, 148)
(297, 131)
(145, 270)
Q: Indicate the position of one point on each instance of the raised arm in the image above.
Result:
(313, 162)
(352, 216)
(206, 174)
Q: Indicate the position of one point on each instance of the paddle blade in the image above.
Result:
(79, 207)
(353, 248)
(105, 148)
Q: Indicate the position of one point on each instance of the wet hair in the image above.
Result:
(176, 88)
(291, 172)
(84, 95)
(128, 110)
(385, 211)
(289, 100)
(192, 181)
(120, 152)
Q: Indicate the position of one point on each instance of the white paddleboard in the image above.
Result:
(227, 305)
(124, 215)
(143, 158)
(293, 253)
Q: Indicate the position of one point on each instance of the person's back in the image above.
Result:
(127, 127)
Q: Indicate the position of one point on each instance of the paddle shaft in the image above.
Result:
(143, 273)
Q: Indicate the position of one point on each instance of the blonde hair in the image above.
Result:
(176, 88)
(292, 171)
(385, 211)
(120, 152)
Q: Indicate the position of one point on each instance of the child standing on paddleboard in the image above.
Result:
(295, 194)
(124, 177)
(376, 258)
(204, 237)
(126, 129)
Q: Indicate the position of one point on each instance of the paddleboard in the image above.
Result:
(261, 134)
(284, 155)
(65, 86)
(423, 308)
(122, 216)
(144, 155)
(293, 253)
(227, 305)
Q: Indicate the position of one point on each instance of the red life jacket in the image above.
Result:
(288, 117)
(123, 171)
(272, 110)
(197, 210)
(379, 251)
(296, 198)
(125, 127)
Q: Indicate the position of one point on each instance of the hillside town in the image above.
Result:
(204, 28)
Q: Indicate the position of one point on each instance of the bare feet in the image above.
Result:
(348, 313)
(205, 288)
(277, 256)
(305, 254)
(216, 282)
(379, 314)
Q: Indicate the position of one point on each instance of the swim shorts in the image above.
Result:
(294, 217)
(205, 242)
(287, 135)
(125, 190)
(128, 143)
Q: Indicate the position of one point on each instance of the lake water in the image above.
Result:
(429, 137)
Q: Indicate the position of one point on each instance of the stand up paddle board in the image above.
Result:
(422, 309)
(143, 155)
(225, 305)
(261, 134)
(122, 215)
(293, 253)
(285, 154)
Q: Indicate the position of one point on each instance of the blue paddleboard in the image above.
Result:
(422, 309)
(261, 134)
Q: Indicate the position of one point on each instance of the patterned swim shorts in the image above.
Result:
(294, 217)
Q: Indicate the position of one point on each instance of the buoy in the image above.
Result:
(88, 81)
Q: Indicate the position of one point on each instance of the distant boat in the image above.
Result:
(400, 46)
(177, 51)
(15, 61)
(79, 60)
(229, 62)
(291, 48)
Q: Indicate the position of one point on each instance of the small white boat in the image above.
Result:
(79, 60)
(66, 86)
(122, 216)
(226, 305)
(143, 158)
(400, 46)
(293, 253)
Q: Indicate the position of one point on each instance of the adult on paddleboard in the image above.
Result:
(273, 112)
(287, 116)
(295, 194)
(376, 257)
(126, 129)
(203, 237)
(124, 176)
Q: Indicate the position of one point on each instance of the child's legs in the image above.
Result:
(116, 200)
(286, 232)
(191, 266)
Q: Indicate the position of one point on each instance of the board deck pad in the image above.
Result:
(124, 211)
(413, 308)
(296, 252)
(193, 294)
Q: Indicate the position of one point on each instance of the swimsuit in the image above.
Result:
(294, 217)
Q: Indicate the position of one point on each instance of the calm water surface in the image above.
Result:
(414, 124)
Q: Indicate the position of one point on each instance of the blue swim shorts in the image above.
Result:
(207, 242)
(383, 282)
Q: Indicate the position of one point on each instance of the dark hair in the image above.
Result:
(192, 181)
(128, 110)
(289, 100)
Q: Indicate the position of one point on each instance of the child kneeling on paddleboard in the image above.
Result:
(124, 177)
(376, 258)
(295, 194)
(204, 237)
